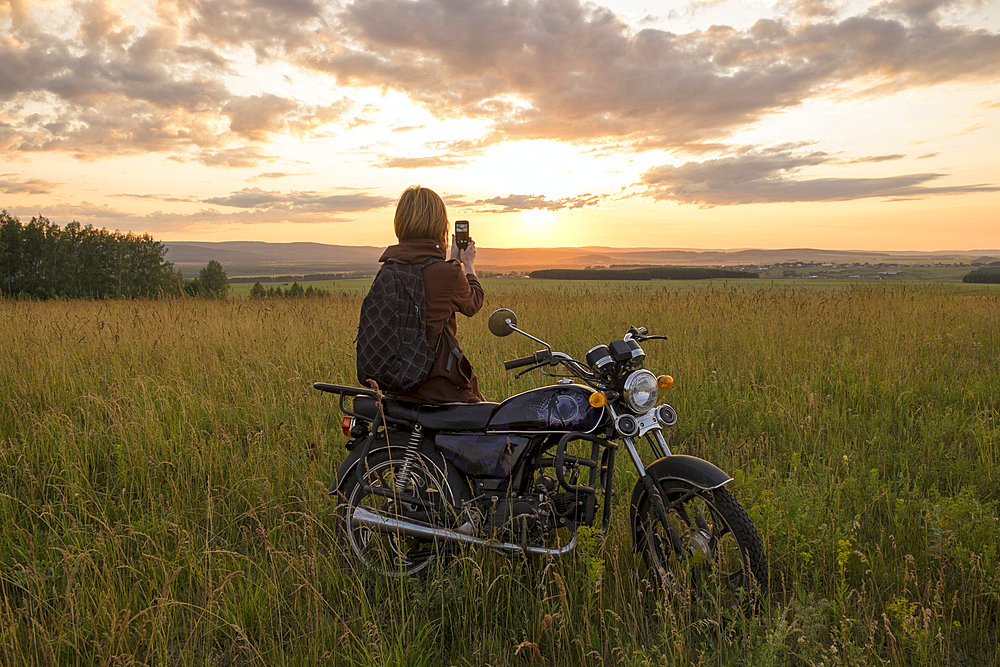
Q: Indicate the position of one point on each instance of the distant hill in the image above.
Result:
(257, 258)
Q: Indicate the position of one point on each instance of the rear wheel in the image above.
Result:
(393, 553)
(709, 549)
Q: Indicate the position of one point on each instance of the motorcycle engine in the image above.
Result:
(574, 509)
(520, 519)
(528, 519)
(569, 509)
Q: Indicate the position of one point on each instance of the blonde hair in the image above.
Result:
(420, 214)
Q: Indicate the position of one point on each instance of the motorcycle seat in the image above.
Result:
(433, 416)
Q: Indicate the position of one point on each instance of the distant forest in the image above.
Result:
(40, 260)
(645, 273)
(308, 277)
(987, 274)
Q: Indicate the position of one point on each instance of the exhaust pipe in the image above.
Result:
(389, 524)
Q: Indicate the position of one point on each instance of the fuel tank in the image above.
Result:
(556, 409)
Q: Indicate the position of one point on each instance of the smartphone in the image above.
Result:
(462, 234)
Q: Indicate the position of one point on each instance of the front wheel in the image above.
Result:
(709, 548)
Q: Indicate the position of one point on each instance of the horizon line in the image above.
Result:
(631, 248)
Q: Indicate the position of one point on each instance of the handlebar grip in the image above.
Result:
(518, 363)
(539, 357)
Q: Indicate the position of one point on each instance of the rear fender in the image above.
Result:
(355, 460)
(348, 466)
(699, 473)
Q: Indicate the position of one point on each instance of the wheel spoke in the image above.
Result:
(682, 512)
(699, 519)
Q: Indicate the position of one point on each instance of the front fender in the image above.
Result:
(699, 473)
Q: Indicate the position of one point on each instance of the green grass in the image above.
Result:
(164, 464)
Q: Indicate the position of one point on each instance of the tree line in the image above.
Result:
(258, 291)
(986, 274)
(40, 260)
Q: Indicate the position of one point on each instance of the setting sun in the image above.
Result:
(537, 218)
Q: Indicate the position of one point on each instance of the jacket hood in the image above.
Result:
(414, 251)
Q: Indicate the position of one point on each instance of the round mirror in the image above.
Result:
(501, 321)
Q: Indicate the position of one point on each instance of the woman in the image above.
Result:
(421, 225)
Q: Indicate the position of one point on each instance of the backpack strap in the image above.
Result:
(454, 353)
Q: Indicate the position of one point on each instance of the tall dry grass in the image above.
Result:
(163, 473)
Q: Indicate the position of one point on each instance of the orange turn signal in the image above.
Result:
(345, 425)
(664, 382)
(598, 400)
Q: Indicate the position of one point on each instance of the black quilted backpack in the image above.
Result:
(392, 331)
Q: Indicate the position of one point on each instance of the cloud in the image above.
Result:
(574, 72)
(13, 184)
(114, 126)
(754, 176)
(156, 197)
(269, 175)
(270, 27)
(919, 10)
(248, 198)
(234, 158)
(975, 127)
(104, 102)
(421, 162)
(299, 202)
(813, 8)
(255, 116)
(513, 203)
(159, 222)
(254, 206)
(111, 88)
(99, 23)
(84, 212)
(870, 159)
(18, 10)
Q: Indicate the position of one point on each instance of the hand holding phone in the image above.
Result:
(462, 234)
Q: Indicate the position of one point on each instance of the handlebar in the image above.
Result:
(518, 363)
(549, 358)
(641, 334)
(539, 357)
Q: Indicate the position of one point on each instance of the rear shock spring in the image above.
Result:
(409, 456)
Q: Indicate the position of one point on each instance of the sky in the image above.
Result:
(708, 124)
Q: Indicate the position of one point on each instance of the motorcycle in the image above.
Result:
(522, 476)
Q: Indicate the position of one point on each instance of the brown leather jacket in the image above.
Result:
(449, 290)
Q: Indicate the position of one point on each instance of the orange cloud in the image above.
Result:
(754, 176)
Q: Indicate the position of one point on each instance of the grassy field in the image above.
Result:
(164, 464)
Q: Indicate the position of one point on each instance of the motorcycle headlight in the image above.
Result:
(641, 391)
